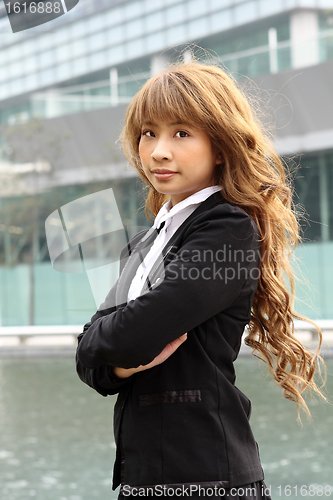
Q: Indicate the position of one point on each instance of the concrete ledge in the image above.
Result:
(37, 352)
(326, 350)
(9, 331)
(61, 341)
(69, 352)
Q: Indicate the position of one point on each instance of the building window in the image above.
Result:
(79, 29)
(47, 57)
(113, 17)
(197, 7)
(175, 14)
(60, 36)
(176, 34)
(221, 20)
(63, 71)
(314, 191)
(46, 77)
(78, 47)
(197, 27)
(115, 34)
(62, 53)
(30, 64)
(268, 7)
(80, 65)
(217, 4)
(44, 42)
(29, 47)
(132, 9)
(246, 12)
(31, 81)
(155, 41)
(99, 59)
(135, 48)
(134, 28)
(116, 54)
(97, 40)
(94, 24)
(154, 21)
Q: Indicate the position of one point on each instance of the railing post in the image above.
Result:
(272, 42)
(324, 198)
(114, 87)
(304, 29)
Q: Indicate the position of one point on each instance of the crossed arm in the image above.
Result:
(165, 354)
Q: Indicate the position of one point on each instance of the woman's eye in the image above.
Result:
(182, 133)
(148, 133)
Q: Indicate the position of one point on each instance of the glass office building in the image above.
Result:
(64, 87)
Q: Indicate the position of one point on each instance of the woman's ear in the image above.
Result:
(219, 159)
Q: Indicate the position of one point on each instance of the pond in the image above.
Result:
(56, 437)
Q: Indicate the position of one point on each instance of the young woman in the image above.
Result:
(214, 261)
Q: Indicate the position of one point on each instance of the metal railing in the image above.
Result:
(103, 94)
(271, 58)
(25, 332)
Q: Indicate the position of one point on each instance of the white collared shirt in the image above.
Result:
(173, 218)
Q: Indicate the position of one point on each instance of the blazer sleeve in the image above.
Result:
(205, 277)
(103, 379)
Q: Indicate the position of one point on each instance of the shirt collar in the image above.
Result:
(166, 212)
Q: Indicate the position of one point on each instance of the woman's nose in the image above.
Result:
(162, 151)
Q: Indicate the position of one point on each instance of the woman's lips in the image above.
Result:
(166, 175)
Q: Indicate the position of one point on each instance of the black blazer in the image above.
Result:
(183, 421)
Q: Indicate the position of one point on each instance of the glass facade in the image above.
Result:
(313, 182)
(67, 70)
(27, 277)
(121, 33)
(245, 55)
(24, 257)
(109, 38)
(245, 63)
(326, 35)
(314, 188)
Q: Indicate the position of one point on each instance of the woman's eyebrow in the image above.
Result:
(151, 124)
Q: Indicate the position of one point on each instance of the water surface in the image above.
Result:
(56, 438)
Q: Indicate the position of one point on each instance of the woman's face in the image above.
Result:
(177, 158)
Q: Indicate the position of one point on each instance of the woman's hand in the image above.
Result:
(165, 354)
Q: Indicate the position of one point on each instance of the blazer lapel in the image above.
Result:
(140, 251)
(136, 257)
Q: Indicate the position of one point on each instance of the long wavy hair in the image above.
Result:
(252, 177)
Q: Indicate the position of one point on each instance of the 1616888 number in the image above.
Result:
(313, 490)
(34, 8)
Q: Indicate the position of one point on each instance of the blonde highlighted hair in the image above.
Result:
(252, 177)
